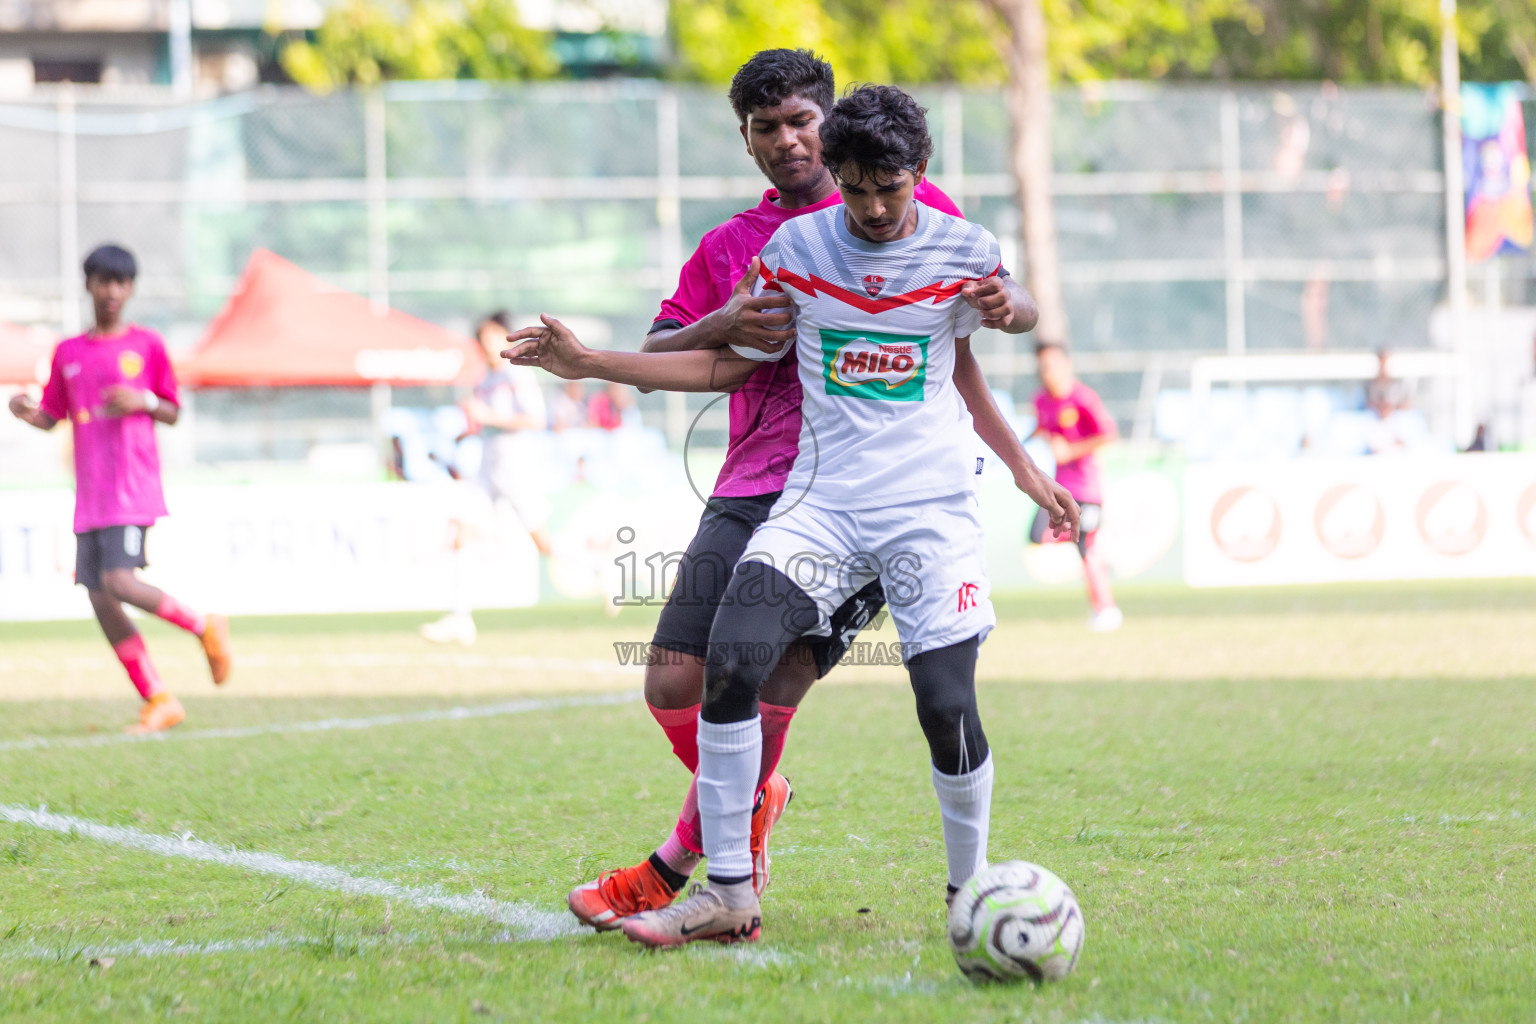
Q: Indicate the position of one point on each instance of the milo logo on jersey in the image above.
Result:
(881, 367)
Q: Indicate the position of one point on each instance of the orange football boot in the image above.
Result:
(216, 647)
(776, 796)
(159, 713)
(620, 894)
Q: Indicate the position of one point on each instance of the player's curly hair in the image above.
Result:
(876, 127)
(773, 76)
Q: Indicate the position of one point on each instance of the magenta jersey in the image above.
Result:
(765, 412)
(117, 465)
(1076, 417)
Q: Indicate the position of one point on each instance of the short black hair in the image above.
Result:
(877, 127)
(773, 76)
(112, 262)
(1042, 346)
(501, 318)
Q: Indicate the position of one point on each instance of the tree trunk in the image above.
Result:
(1029, 109)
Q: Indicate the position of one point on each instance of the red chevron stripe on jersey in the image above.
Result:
(811, 285)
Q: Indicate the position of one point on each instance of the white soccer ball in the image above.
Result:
(1013, 921)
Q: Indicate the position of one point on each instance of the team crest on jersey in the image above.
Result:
(873, 284)
(879, 367)
(1067, 418)
(130, 364)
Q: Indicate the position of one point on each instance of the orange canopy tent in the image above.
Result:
(25, 354)
(284, 327)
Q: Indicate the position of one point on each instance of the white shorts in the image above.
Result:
(507, 477)
(930, 556)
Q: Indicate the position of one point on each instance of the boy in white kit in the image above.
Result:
(881, 487)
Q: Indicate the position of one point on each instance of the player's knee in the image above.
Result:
(116, 583)
(731, 684)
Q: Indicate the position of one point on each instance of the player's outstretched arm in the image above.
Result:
(993, 429)
(554, 348)
(1003, 303)
(763, 322)
(26, 410)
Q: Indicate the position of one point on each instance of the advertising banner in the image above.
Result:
(1370, 518)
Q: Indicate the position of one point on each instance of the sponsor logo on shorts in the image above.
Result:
(880, 367)
(133, 541)
(130, 364)
(966, 597)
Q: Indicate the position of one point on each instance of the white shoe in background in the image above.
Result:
(453, 628)
(1106, 620)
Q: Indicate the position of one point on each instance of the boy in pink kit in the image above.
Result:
(780, 98)
(113, 383)
(1073, 420)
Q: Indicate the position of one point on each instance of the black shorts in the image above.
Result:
(702, 576)
(111, 547)
(1091, 516)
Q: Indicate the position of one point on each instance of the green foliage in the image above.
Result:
(364, 42)
(958, 40)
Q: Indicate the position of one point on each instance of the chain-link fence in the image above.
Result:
(1192, 220)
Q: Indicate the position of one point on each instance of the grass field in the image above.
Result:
(1285, 805)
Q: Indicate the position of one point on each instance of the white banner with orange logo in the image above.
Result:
(1372, 518)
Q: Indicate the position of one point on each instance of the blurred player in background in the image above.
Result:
(113, 383)
(1074, 422)
(508, 401)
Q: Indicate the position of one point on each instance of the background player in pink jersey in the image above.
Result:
(780, 98)
(1073, 420)
(113, 383)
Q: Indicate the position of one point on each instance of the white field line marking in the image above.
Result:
(171, 947)
(454, 714)
(525, 920)
(355, 659)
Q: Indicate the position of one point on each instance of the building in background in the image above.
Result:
(205, 47)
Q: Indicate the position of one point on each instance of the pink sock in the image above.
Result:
(776, 719)
(178, 614)
(682, 728)
(135, 658)
(685, 845)
(1099, 596)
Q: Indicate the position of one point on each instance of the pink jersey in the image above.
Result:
(1076, 417)
(117, 466)
(765, 413)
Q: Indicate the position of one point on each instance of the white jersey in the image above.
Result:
(876, 324)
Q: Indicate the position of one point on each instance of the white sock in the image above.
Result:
(730, 756)
(965, 803)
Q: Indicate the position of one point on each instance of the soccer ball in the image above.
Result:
(1014, 921)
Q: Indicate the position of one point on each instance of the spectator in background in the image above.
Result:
(1385, 394)
(507, 402)
(569, 411)
(1074, 422)
(614, 407)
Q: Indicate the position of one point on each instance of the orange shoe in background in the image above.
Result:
(776, 796)
(216, 647)
(615, 895)
(160, 712)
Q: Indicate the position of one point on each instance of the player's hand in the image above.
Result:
(22, 406)
(764, 322)
(1061, 448)
(1059, 505)
(990, 297)
(122, 400)
(552, 347)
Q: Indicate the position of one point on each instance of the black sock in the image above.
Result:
(674, 880)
